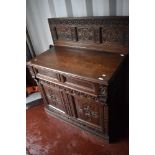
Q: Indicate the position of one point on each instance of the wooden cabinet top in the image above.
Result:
(89, 64)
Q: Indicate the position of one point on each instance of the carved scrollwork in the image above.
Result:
(64, 33)
(86, 34)
(116, 21)
(102, 97)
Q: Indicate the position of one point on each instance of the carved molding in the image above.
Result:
(103, 93)
(101, 98)
(32, 72)
(113, 21)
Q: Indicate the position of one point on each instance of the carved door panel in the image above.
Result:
(54, 98)
(89, 111)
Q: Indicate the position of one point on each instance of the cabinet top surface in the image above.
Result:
(81, 62)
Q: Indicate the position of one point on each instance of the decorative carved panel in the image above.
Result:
(86, 34)
(64, 33)
(112, 35)
(54, 98)
(88, 111)
(99, 33)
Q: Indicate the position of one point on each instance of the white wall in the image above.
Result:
(101, 8)
(38, 11)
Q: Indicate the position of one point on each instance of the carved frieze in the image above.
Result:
(112, 21)
(101, 98)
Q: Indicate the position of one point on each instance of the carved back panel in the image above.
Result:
(109, 34)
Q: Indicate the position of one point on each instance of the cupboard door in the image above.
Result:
(89, 111)
(54, 98)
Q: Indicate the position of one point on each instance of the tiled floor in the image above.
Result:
(47, 135)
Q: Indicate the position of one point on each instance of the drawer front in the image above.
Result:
(83, 85)
(69, 81)
(54, 98)
(48, 73)
(89, 111)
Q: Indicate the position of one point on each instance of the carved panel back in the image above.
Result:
(100, 33)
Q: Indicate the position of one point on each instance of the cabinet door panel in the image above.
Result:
(89, 111)
(54, 97)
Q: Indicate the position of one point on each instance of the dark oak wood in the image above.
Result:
(85, 86)
(88, 64)
(99, 33)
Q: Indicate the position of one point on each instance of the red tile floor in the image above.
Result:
(47, 135)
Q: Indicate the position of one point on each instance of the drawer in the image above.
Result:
(69, 81)
(81, 84)
(48, 73)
